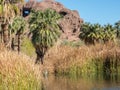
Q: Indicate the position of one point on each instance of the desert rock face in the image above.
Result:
(70, 23)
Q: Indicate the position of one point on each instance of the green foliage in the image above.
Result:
(95, 33)
(21, 81)
(117, 27)
(90, 33)
(1, 9)
(27, 47)
(18, 25)
(8, 10)
(109, 33)
(44, 27)
(73, 43)
(93, 68)
(11, 1)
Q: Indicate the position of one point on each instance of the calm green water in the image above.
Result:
(79, 83)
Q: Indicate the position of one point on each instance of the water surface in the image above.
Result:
(87, 83)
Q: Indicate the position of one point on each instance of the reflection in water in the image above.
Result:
(64, 83)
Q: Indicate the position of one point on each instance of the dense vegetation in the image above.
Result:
(18, 72)
(97, 51)
(93, 61)
(95, 33)
(45, 31)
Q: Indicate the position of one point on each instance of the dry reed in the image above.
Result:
(17, 72)
(65, 57)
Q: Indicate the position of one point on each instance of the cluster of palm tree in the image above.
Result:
(8, 11)
(17, 28)
(43, 26)
(45, 29)
(95, 33)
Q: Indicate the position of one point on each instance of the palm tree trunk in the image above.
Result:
(37, 59)
(1, 37)
(5, 33)
(10, 39)
(12, 44)
(19, 42)
(40, 56)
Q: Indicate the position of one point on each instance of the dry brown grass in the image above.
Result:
(17, 72)
(63, 57)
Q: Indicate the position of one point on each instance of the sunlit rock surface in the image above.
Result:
(70, 23)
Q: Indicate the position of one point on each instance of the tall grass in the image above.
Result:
(85, 60)
(27, 47)
(17, 72)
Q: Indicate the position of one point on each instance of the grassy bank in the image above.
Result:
(86, 60)
(17, 72)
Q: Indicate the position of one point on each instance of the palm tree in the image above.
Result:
(117, 26)
(85, 30)
(90, 33)
(95, 33)
(109, 33)
(45, 31)
(8, 10)
(17, 27)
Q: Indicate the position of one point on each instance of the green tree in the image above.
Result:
(45, 31)
(85, 30)
(95, 33)
(91, 33)
(18, 27)
(109, 33)
(117, 26)
(8, 10)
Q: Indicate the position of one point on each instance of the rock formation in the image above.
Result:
(70, 23)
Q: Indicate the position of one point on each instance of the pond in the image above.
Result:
(53, 82)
